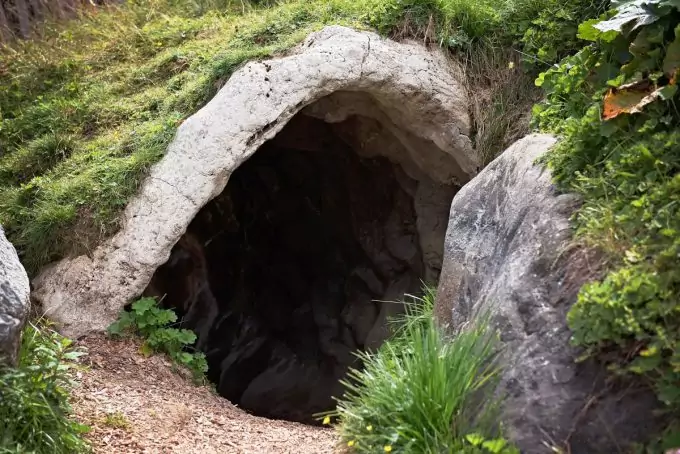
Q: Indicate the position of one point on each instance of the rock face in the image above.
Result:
(399, 101)
(507, 254)
(14, 301)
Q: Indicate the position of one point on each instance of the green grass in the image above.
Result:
(34, 408)
(424, 391)
(116, 420)
(82, 123)
(91, 104)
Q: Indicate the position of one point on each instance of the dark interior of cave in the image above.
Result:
(282, 276)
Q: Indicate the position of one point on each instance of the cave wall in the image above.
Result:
(299, 262)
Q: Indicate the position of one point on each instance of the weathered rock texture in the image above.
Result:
(507, 255)
(14, 301)
(400, 101)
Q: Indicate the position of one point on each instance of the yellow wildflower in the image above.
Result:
(351, 443)
(327, 420)
(369, 428)
(511, 64)
(387, 448)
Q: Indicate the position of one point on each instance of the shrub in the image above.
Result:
(34, 407)
(423, 391)
(153, 324)
(615, 104)
(546, 31)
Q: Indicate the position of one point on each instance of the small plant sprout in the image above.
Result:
(116, 420)
(154, 325)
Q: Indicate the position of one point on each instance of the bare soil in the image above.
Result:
(136, 404)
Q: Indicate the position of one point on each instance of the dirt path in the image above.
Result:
(139, 405)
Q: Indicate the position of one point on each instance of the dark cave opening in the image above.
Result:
(292, 267)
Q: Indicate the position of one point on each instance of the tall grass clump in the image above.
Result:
(34, 407)
(424, 391)
(542, 30)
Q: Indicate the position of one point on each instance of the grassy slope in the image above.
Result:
(90, 106)
(88, 110)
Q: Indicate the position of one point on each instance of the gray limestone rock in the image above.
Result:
(14, 301)
(508, 255)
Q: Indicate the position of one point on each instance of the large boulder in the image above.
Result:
(509, 255)
(400, 101)
(14, 301)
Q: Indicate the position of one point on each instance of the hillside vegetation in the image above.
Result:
(89, 105)
(615, 105)
(19, 17)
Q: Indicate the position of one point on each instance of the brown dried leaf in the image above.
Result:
(625, 99)
(632, 98)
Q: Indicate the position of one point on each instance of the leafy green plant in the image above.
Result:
(546, 35)
(615, 105)
(153, 324)
(34, 396)
(490, 446)
(423, 391)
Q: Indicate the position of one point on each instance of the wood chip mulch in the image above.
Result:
(136, 404)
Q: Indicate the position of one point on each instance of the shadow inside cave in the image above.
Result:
(299, 262)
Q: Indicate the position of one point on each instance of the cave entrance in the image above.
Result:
(296, 264)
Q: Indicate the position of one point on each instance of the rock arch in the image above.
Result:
(287, 213)
(411, 106)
